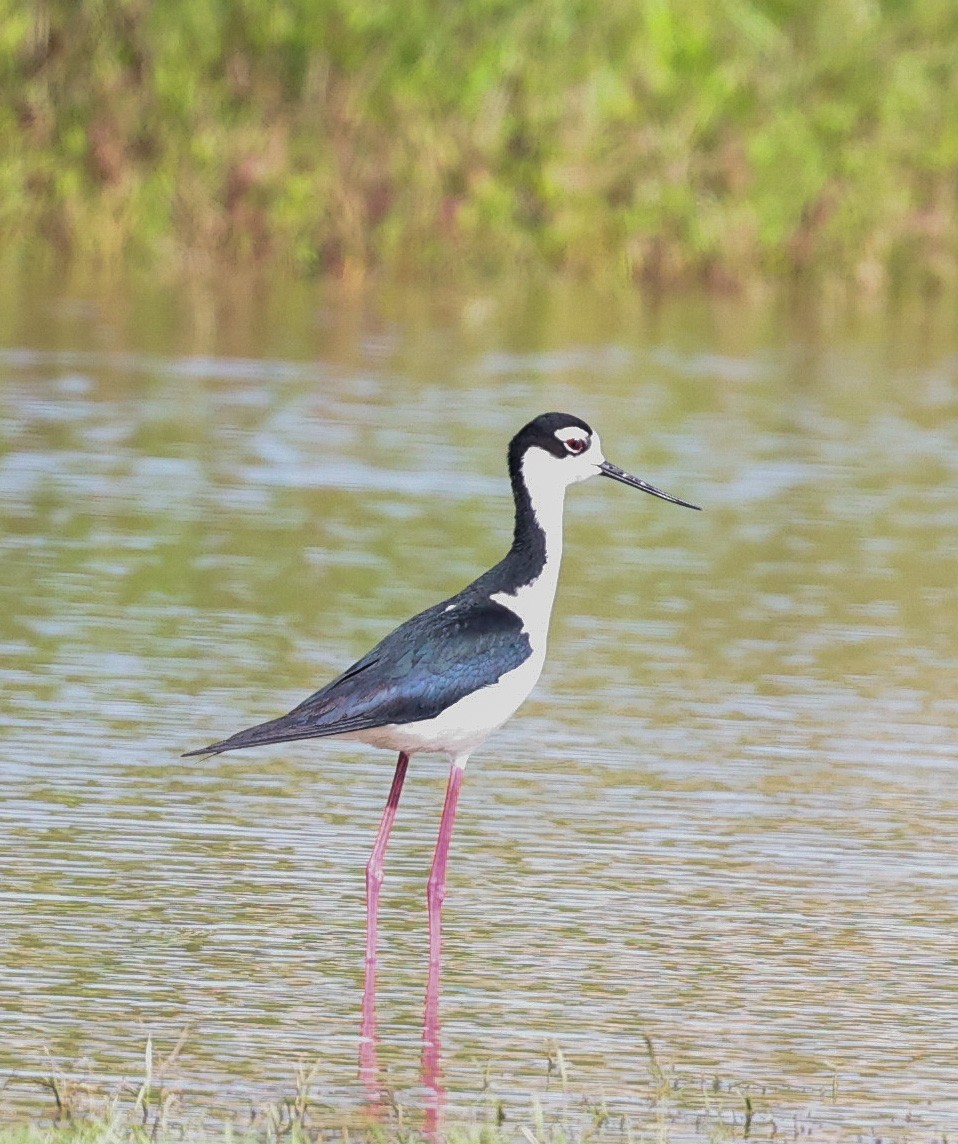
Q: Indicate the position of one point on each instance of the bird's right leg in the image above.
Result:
(374, 867)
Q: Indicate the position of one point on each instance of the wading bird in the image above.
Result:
(444, 680)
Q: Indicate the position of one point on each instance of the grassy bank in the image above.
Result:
(158, 1108)
(666, 1102)
(662, 140)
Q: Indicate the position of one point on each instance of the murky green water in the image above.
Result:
(725, 821)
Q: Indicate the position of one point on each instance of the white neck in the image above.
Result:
(547, 495)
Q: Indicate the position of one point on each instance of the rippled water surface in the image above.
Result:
(725, 822)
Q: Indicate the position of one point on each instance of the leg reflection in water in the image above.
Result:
(369, 1046)
(377, 1098)
(436, 891)
(432, 1058)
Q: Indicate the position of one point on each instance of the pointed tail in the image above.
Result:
(282, 730)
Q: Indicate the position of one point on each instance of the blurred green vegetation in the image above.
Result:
(660, 140)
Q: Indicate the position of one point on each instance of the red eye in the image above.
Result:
(576, 445)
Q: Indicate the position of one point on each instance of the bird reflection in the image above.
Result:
(369, 1045)
(432, 1057)
(370, 1073)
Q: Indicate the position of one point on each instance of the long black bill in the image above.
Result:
(617, 474)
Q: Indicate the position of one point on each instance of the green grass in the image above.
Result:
(666, 1103)
(662, 140)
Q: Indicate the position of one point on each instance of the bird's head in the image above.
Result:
(561, 449)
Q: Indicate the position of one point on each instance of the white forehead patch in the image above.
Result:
(573, 432)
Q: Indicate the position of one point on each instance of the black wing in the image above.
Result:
(416, 672)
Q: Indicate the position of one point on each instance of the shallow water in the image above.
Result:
(726, 819)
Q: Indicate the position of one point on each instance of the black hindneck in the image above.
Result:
(526, 558)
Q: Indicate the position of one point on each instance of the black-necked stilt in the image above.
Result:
(446, 679)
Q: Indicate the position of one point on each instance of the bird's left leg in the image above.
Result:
(368, 1064)
(374, 868)
(435, 892)
(436, 886)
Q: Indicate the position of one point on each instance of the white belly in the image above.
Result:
(461, 728)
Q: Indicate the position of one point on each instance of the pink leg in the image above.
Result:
(435, 893)
(374, 868)
(436, 886)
